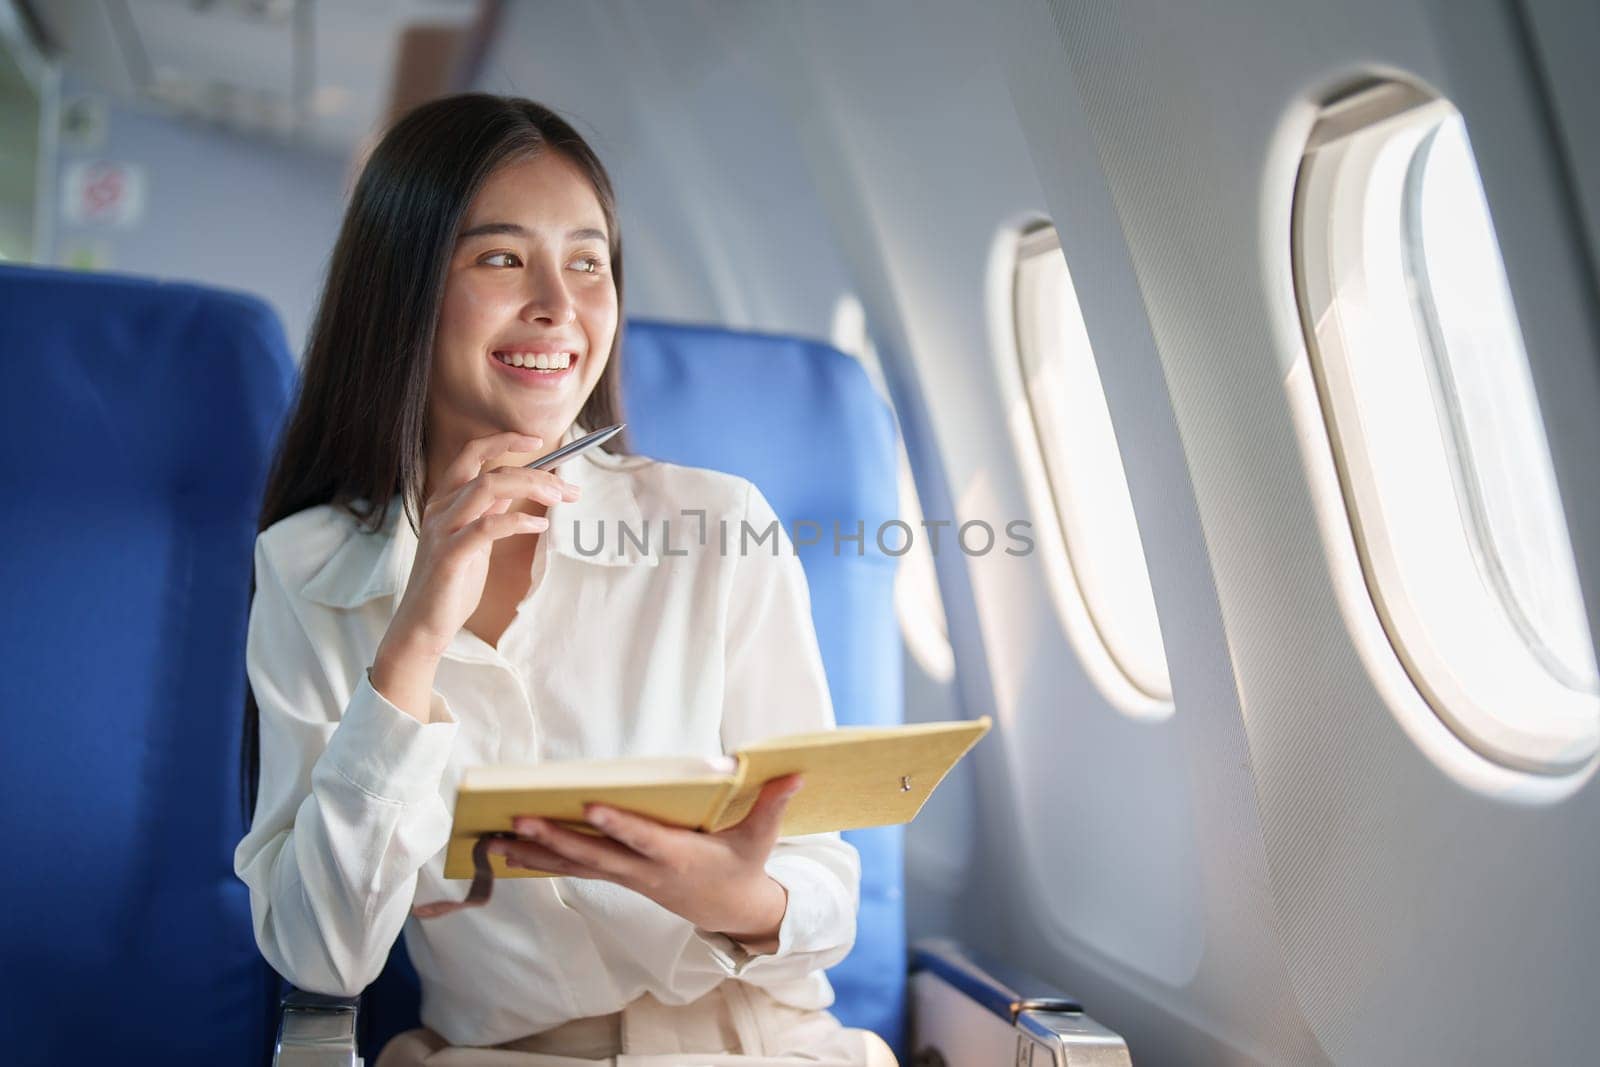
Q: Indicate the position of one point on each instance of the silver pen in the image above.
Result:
(544, 463)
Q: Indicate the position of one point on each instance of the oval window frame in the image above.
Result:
(1380, 126)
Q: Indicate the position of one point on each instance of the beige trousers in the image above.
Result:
(734, 1024)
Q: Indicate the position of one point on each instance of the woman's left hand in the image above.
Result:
(716, 881)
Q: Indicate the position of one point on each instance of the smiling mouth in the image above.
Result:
(547, 363)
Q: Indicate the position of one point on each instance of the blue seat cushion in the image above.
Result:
(136, 428)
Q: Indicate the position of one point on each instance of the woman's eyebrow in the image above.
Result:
(586, 234)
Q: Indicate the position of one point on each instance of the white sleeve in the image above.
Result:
(348, 806)
(776, 685)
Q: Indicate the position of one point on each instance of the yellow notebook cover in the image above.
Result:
(855, 776)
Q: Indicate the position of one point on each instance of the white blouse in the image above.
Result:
(693, 645)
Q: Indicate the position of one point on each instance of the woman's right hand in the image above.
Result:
(461, 521)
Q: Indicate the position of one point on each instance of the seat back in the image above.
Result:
(801, 421)
(136, 428)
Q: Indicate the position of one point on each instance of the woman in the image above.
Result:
(421, 605)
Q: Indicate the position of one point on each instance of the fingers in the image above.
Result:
(540, 840)
(534, 857)
(640, 834)
(765, 818)
(480, 495)
(478, 451)
(494, 527)
(546, 486)
(473, 517)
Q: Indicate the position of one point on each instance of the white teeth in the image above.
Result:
(541, 361)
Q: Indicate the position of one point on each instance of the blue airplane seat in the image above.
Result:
(136, 429)
(801, 420)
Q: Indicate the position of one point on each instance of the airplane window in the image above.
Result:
(1083, 466)
(1426, 389)
(916, 583)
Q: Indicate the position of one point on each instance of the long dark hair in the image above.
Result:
(357, 431)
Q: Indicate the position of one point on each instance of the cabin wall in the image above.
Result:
(220, 208)
(1406, 895)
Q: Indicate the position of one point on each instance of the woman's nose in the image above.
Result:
(548, 300)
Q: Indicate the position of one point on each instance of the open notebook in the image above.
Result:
(855, 776)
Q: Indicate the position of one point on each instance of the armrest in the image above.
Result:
(316, 1031)
(972, 1009)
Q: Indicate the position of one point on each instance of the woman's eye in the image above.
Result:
(588, 265)
(511, 256)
